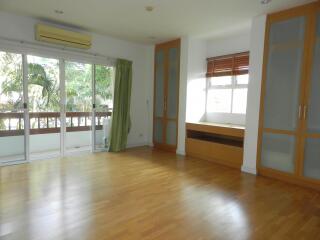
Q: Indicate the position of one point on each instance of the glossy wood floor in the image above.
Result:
(145, 194)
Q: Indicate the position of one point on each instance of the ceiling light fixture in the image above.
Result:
(57, 11)
(265, 1)
(149, 8)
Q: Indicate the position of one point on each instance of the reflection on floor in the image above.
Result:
(145, 194)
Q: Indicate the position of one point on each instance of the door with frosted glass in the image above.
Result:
(172, 98)
(12, 111)
(311, 115)
(281, 95)
(166, 95)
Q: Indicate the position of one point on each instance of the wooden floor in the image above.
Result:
(145, 194)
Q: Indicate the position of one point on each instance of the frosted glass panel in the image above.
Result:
(173, 83)
(171, 137)
(314, 101)
(318, 25)
(159, 88)
(278, 152)
(158, 131)
(312, 158)
(287, 31)
(283, 88)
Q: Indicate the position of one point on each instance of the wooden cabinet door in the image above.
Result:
(310, 157)
(282, 91)
(166, 95)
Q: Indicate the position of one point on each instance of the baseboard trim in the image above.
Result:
(250, 170)
(181, 152)
(133, 145)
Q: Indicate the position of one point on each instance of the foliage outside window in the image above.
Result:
(44, 86)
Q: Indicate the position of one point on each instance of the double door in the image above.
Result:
(289, 139)
(50, 107)
(166, 95)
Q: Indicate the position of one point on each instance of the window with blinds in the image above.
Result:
(228, 78)
(234, 64)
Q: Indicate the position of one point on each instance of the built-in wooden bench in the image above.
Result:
(220, 143)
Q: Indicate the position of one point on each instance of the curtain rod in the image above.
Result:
(41, 46)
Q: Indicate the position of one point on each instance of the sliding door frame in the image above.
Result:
(26, 108)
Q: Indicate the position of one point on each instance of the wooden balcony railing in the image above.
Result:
(12, 124)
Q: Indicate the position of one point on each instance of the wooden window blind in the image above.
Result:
(234, 64)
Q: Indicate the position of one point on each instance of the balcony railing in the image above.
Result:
(12, 124)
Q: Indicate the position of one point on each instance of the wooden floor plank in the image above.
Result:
(149, 194)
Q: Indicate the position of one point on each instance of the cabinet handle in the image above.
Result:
(305, 110)
(300, 110)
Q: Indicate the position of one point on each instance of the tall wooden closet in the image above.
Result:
(166, 95)
(289, 134)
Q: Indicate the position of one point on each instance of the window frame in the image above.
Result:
(231, 86)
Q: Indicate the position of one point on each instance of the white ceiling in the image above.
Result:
(128, 19)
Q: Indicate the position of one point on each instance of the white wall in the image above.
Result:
(229, 45)
(196, 85)
(254, 89)
(22, 28)
(192, 85)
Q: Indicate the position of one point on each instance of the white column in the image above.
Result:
(183, 95)
(254, 90)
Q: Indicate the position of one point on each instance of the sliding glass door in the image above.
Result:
(12, 112)
(44, 106)
(51, 106)
(103, 105)
(78, 87)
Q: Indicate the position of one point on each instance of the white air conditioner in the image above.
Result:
(45, 33)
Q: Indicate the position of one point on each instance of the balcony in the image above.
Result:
(49, 122)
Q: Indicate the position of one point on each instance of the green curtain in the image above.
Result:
(121, 123)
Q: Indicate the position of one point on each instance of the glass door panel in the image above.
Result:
(278, 152)
(313, 123)
(311, 161)
(282, 89)
(312, 158)
(158, 130)
(171, 133)
(44, 106)
(78, 87)
(103, 101)
(12, 138)
(173, 80)
(159, 83)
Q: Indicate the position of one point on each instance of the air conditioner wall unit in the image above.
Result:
(49, 34)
